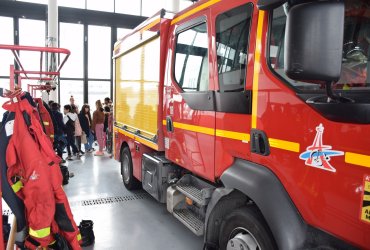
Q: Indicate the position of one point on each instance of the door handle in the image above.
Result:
(169, 124)
(259, 142)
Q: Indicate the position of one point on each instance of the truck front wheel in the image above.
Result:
(245, 228)
(128, 178)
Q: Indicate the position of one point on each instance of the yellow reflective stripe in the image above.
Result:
(79, 237)
(41, 233)
(52, 136)
(257, 68)
(286, 145)
(357, 159)
(233, 135)
(151, 25)
(46, 123)
(17, 186)
(139, 139)
(193, 128)
(195, 10)
(146, 142)
(132, 136)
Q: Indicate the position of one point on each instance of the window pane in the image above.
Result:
(98, 91)
(106, 5)
(72, 3)
(70, 88)
(131, 7)
(100, 54)
(6, 37)
(122, 32)
(232, 32)
(356, 49)
(4, 83)
(72, 38)
(191, 64)
(31, 33)
(151, 7)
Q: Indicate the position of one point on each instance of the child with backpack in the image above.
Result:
(69, 121)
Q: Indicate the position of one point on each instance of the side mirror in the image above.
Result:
(314, 41)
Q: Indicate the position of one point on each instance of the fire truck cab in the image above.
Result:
(251, 120)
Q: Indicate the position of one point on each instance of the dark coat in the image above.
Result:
(84, 123)
(60, 127)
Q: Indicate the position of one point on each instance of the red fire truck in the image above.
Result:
(251, 120)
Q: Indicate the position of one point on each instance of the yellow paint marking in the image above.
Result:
(286, 145)
(257, 68)
(233, 135)
(139, 139)
(151, 25)
(357, 159)
(193, 128)
(195, 10)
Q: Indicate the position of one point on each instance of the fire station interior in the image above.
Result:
(121, 219)
(124, 177)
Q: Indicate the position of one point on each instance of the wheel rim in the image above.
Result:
(241, 239)
(125, 169)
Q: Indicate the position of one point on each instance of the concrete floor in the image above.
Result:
(123, 219)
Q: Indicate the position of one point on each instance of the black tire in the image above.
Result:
(130, 182)
(248, 219)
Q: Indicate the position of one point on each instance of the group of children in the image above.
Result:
(78, 127)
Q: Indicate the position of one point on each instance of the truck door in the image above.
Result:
(189, 96)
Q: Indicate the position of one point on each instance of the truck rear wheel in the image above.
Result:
(245, 228)
(130, 182)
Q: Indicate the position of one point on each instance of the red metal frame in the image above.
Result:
(42, 74)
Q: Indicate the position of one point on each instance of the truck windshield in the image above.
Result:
(355, 73)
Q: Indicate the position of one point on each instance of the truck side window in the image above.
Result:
(232, 36)
(355, 73)
(191, 62)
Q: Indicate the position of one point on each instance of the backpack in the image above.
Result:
(70, 126)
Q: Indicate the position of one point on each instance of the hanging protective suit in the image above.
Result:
(46, 119)
(33, 168)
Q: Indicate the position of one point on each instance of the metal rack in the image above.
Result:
(43, 75)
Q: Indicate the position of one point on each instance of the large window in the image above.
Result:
(150, 7)
(100, 54)
(356, 50)
(72, 3)
(191, 63)
(72, 38)
(232, 33)
(31, 33)
(131, 7)
(98, 90)
(71, 88)
(106, 5)
(6, 37)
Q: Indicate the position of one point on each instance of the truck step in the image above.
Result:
(190, 220)
(195, 189)
(192, 192)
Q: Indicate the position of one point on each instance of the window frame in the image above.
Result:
(183, 28)
(247, 5)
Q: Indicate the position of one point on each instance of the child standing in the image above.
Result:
(69, 122)
(98, 126)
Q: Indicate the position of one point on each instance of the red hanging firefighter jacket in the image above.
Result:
(34, 174)
(46, 120)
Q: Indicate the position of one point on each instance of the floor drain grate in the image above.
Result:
(109, 200)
